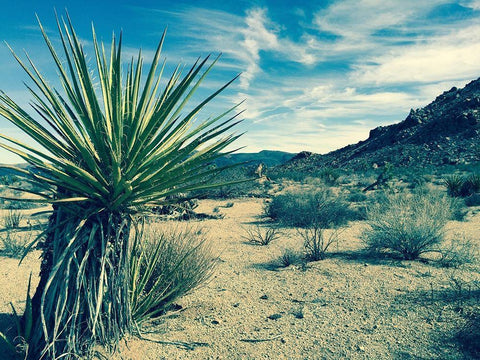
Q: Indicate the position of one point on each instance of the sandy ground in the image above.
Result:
(348, 306)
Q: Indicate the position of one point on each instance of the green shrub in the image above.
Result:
(165, 266)
(454, 184)
(473, 200)
(459, 186)
(471, 185)
(302, 209)
(408, 225)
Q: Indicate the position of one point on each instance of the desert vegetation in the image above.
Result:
(328, 247)
(109, 154)
(380, 262)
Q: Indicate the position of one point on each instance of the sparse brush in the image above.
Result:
(469, 336)
(316, 243)
(15, 244)
(471, 185)
(458, 252)
(261, 235)
(408, 225)
(289, 257)
(12, 219)
(164, 266)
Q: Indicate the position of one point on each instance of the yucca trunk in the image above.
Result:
(83, 293)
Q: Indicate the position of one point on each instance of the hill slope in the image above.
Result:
(447, 131)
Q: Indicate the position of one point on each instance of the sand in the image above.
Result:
(348, 306)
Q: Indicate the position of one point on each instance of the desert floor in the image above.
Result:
(349, 306)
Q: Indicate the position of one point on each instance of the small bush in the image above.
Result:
(473, 200)
(289, 257)
(330, 176)
(15, 244)
(459, 252)
(12, 219)
(165, 266)
(408, 225)
(316, 243)
(471, 185)
(454, 184)
(302, 209)
(469, 336)
(458, 186)
(261, 236)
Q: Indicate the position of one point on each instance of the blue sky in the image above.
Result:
(316, 75)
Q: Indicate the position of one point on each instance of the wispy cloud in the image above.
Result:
(453, 56)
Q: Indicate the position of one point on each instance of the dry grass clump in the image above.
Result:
(164, 266)
(12, 219)
(261, 235)
(14, 244)
(407, 224)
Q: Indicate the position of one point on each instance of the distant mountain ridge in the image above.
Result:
(269, 158)
(446, 131)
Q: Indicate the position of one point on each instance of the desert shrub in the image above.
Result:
(357, 196)
(459, 252)
(302, 209)
(454, 184)
(458, 186)
(164, 266)
(12, 219)
(261, 235)
(290, 257)
(473, 200)
(316, 242)
(14, 244)
(330, 176)
(469, 336)
(408, 225)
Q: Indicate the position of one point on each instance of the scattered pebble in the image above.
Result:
(274, 316)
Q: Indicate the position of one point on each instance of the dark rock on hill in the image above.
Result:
(447, 131)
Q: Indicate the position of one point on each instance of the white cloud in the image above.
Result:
(472, 4)
(449, 57)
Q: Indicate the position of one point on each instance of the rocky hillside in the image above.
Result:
(447, 131)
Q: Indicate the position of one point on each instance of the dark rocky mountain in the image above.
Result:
(447, 131)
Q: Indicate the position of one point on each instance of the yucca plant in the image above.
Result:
(111, 144)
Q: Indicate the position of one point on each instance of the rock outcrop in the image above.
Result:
(447, 131)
